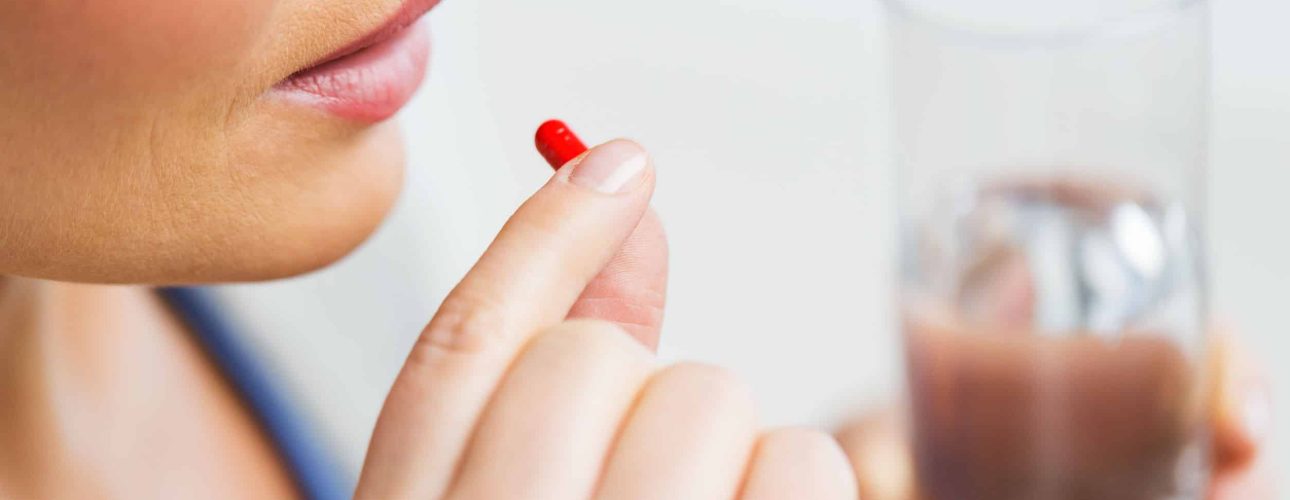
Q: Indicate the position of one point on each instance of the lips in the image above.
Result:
(369, 79)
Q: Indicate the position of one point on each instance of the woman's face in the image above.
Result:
(168, 142)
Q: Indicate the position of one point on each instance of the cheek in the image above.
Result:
(99, 91)
(141, 47)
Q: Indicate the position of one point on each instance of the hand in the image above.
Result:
(505, 397)
(1240, 416)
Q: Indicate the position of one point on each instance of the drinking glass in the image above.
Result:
(1051, 175)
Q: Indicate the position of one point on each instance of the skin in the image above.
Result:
(140, 149)
(140, 145)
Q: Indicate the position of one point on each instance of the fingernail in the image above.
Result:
(611, 167)
(1256, 411)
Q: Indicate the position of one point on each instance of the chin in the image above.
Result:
(309, 207)
(315, 219)
(322, 202)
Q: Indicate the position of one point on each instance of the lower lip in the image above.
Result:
(370, 85)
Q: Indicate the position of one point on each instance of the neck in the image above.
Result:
(100, 390)
(71, 376)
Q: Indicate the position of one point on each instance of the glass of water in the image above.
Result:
(1051, 169)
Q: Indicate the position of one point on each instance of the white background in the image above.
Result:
(766, 121)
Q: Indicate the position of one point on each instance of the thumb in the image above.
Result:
(631, 290)
(1242, 415)
(1242, 421)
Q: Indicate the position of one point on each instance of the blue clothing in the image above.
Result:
(316, 474)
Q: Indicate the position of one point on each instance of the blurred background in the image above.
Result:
(767, 119)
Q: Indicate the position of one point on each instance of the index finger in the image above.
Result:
(527, 280)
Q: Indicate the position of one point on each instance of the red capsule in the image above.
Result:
(557, 143)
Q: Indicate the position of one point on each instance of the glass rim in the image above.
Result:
(1109, 25)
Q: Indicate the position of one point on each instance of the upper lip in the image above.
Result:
(409, 13)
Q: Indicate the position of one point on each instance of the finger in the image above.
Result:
(547, 430)
(1243, 413)
(1254, 482)
(689, 437)
(801, 464)
(631, 290)
(527, 280)
(878, 449)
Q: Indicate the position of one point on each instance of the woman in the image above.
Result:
(157, 143)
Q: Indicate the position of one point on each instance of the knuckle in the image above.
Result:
(597, 342)
(717, 387)
(805, 461)
(802, 441)
(459, 329)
